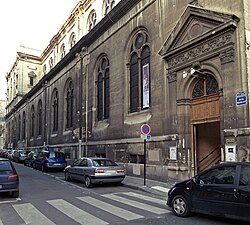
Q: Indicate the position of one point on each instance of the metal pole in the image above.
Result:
(145, 158)
(80, 105)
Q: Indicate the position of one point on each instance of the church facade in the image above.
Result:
(180, 66)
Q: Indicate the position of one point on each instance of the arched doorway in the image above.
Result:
(205, 120)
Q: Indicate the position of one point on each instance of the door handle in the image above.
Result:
(236, 193)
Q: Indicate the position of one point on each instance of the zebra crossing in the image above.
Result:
(90, 210)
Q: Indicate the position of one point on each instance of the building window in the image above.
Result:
(140, 73)
(32, 122)
(51, 63)
(206, 85)
(44, 69)
(19, 127)
(24, 126)
(40, 117)
(72, 40)
(91, 20)
(108, 5)
(55, 110)
(103, 89)
(69, 104)
(62, 51)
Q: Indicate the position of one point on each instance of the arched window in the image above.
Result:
(24, 126)
(51, 63)
(62, 51)
(55, 110)
(108, 5)
(140, 73)
(91, 20)
(205, 86)
(103, 89)
(40, 117)
(69, 104)
(19, 127)
(32, 121)
(44, 69)
(72, 40)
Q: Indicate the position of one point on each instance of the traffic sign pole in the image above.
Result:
(145, 159)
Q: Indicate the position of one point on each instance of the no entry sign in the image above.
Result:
(145, 129)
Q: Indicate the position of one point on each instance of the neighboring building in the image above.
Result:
(180, 66)
(2, 123)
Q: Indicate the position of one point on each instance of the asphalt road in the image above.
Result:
(46, 199)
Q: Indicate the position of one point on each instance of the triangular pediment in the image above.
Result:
(193, 24)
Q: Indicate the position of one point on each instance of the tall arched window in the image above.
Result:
(32, 121)
(51, 63)
(92, 20)
(103, 91)
(55, 110)
(40, 117)
(140, 73)
(69, 104)
(24, 126)
(19, 127)
(205, 86)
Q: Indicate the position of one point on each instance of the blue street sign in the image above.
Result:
(241, 98)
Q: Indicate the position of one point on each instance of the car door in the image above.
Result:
(214, 191)
(81, 170)
(73, 169)
(243, 193)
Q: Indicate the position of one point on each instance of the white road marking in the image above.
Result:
(125, 214)
(144, 197)
(162, 189)
(1, 223)
(11, 201)
(136, 204)
(32, 215)
(75, 213)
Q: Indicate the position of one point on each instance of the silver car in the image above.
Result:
(95, 171)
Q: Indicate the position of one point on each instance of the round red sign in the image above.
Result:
(145, 129)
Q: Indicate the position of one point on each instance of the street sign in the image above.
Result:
(241, 98)
(145, 129)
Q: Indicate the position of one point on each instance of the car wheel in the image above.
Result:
(180, 206)
(88, 182)
(67, 176)
(14, 194)
(34, 166)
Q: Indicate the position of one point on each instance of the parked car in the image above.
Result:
(29, 160)
(20, 155)
(10, 153)
(9, 181)
(95, 170)
(223, 190)
(48, 160)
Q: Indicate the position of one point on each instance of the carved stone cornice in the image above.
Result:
(213, 45)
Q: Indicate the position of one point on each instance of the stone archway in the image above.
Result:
(205, 122)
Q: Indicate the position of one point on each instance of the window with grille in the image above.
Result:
(32, 122)
(103, 91)
(69, 104)
(92, 20)
(206, 85)
(40, 119)
(55, 110)
(140, 73)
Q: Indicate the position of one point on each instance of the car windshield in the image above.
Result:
(103, 162)
(5, 166)
(56, 155)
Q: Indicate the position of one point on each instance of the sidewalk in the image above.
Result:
(152, 186)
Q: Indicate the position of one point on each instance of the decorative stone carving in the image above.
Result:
(227, 56)
(172, 77)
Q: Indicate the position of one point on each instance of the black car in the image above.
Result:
(223, 190)
(9, 181)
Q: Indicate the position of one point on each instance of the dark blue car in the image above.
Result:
(50, 160)
(9, 181)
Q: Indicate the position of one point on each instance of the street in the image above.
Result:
(46, 199)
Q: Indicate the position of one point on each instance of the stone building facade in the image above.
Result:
(180, 66)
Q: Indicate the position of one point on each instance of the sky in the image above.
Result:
(29, 23)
